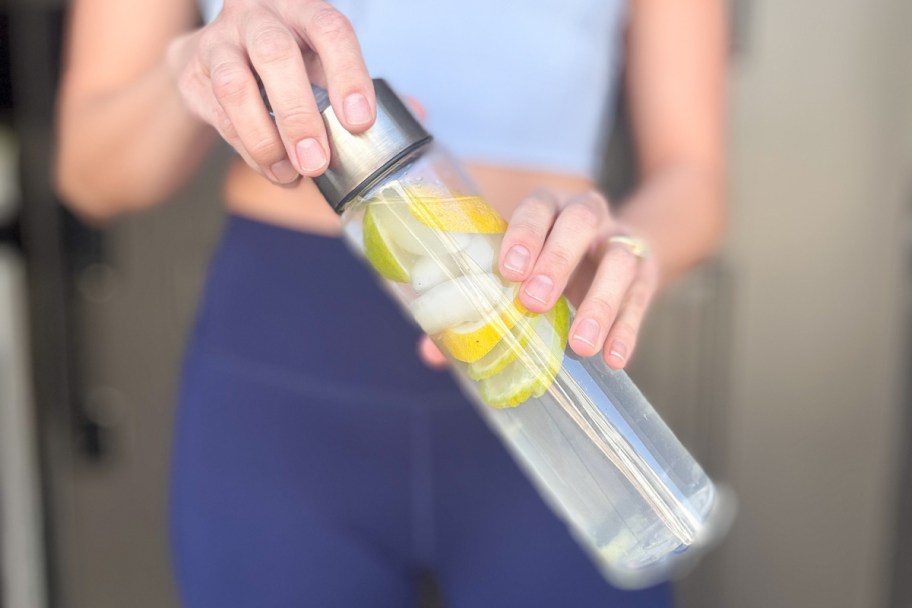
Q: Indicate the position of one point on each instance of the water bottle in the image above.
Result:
(592, 445)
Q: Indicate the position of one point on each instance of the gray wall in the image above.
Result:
(820, 193)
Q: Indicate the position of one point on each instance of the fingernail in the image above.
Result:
(587, 331)
(618, 351)
(357, 110)
(283, 171)
(517, 259)
(540, 288)
(310, 154)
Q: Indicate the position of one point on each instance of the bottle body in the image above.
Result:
(588, 439)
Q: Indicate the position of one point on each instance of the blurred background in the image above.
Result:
(782, 363)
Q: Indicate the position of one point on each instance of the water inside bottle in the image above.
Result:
(610, 475)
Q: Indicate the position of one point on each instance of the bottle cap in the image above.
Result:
(358, 160)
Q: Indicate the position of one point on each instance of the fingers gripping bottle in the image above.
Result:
(592, 445)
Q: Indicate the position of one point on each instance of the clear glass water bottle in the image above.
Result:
(596, 450)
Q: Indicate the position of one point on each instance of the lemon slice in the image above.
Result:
(390, 211)
(454, 213)
(387, 259)
(505, 352)
(473, 341)
(535, 367)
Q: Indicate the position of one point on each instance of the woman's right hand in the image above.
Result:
(288, 44)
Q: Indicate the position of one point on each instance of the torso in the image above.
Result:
(536, 115)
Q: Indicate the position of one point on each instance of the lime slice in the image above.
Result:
(387, 259)
(534, 368)
(454, 213)
(390, 211)
(561, 327)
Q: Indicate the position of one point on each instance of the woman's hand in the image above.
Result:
(556, 244)
(288, 44)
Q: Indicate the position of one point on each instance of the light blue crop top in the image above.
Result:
(529, 84)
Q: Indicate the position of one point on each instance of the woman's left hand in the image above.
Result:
(558, 244)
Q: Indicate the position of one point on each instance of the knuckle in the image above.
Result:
(582, 215)
(209, 37)
(266, 149)
(331, 24)
(599, 306)
(229, 82)
(558, 260)
(351, 73)
(625, 328)
(539, 208)
(271, 44)
(527, 233)
(638, 300)
(229, 11)
(299, 121)
(225, 126)
(592, 198)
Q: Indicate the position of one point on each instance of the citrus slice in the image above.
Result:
(387, 259)
(390, 212)
(535, 367)
(561, 327)
(505, 352)
(459, 301)
(473, 341)
(454, 213)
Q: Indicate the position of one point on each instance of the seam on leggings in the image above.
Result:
(315, 387)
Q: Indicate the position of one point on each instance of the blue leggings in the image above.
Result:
(318, 462)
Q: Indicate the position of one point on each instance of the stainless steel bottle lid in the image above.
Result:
(357, 161)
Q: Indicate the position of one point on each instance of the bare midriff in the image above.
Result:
(302, 207)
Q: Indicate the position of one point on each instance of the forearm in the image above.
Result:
(680, 211)
(676, 72)
(127, 148)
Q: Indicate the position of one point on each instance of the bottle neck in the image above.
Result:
(357, 159)
(401, 159)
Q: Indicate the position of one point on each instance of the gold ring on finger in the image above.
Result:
(634, 244)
